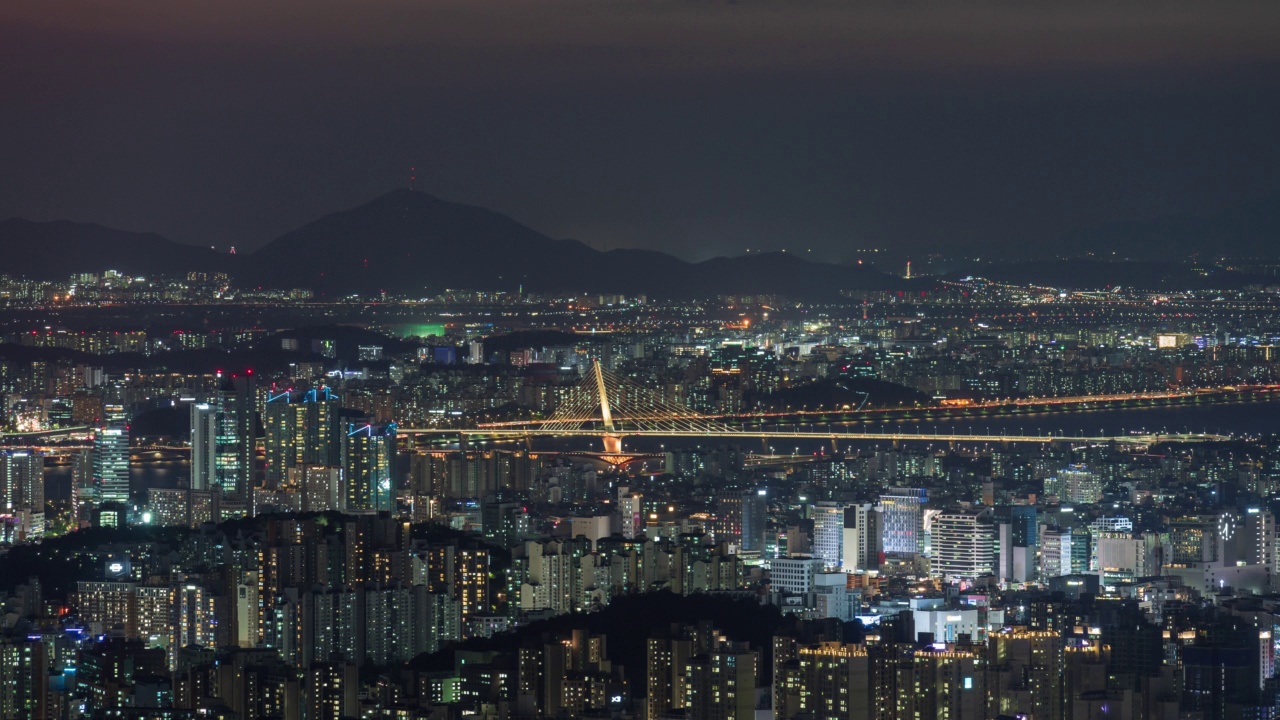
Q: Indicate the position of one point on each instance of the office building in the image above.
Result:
(1056, 552)
(236, 435)
(204, 445)
(1076, 484)
(1017, 537)
(962, 545)
(111, 464)
(861, 538)
(794, 576)
(828, 533)
(22, 490)
(902, 516)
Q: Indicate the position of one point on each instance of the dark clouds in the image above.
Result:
(697, 127)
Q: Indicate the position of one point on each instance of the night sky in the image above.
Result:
(695, 127)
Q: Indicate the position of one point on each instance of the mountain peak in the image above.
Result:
(410, 241)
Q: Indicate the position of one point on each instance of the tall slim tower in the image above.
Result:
(279, 420)
(21, 481)
(246, 428)
(111, 463)
(236, 435)
(204, 445)
(828, 532)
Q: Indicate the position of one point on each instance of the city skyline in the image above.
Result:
(639, 360)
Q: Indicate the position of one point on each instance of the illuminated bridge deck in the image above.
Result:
(1144, 439)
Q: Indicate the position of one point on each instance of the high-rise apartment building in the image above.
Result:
(948, 683)
(721, 684)
(631, 510)
(368, 457)
(1024, 674)
(741, 517)
(828, 681)
(301, 429)
(280, 427)
(24, 679)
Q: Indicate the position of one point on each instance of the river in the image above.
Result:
(1240, 419)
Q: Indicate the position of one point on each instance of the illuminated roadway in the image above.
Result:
(1210, 395)
(1144, 439)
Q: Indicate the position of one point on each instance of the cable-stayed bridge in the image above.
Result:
(603, 405)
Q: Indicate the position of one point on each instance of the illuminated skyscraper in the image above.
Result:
(720, 685)
(861, 538)
(24, 679)
(902, 529)
(828, 532)
(963, 545)
(631, 508)
(830, 681)
(22, 491)
(368, 457)
(471, 580)
(300, 430)
(279, 422)
(21, 481)
(225, 431)
(318, 436)
(755, 519)
(111, 463)
(332, 690)
(204, 445)
(1078, 485)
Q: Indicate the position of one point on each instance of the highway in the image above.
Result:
(1144, 439)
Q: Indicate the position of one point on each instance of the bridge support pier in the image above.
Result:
(612, 443)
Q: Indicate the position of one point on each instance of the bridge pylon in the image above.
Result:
(616, 407)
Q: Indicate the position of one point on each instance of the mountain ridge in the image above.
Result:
(408, 242)
(51, 250)
(465, 246)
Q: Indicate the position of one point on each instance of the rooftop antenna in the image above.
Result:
(413, 178)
